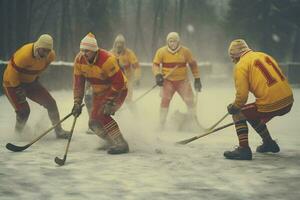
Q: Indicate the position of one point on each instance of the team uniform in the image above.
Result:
(20, 81)
(163, 63)
(129, 64)
(258, 73)
(108, 84)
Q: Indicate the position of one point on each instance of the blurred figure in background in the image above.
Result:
(108, 83)
(129, 65)
(20, 81)
(167, 58)
(258, 73)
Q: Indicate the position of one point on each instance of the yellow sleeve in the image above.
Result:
(156, 62)
(11, 77)
(132, 57)
(78, 82)
(135, 65)
(111, 66)
(192, 63)
(241, 85)
(21, 60)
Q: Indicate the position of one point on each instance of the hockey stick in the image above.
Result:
(217, 123)
(195, 117)
(154, 86)
(16, 148)
(207, 133)
(58, 160)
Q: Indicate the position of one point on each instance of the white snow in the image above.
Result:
(155, 168)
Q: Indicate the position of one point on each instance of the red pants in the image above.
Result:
(97, 109)
(251, 113)
(35, 92)
(183, 88)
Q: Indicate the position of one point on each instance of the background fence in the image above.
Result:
(58, 76)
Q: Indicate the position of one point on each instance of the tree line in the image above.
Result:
(206, 27)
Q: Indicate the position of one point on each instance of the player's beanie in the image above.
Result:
(44, 41)
(237, 48)
(89, 42)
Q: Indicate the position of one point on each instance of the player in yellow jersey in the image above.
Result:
(166, 58)
(129, 65)
(258, 73)
(20, 81)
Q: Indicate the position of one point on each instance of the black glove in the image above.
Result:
(109, 108)
(232, 109)
(76, 110)
(197, 85)
(159, 79)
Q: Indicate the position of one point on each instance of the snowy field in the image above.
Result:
(155, 168)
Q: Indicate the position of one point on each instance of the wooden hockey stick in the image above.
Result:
(207, 133)
(58, 160)
(218, 122)
(15, 148)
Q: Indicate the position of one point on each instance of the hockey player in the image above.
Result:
(258, 73)
(101, 70)
(20, 81)
(129, 65)
(166, 58)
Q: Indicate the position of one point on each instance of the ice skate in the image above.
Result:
(271, 146)
(240, 153)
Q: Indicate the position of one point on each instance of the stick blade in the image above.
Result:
(59, 161)
(16, 148)
(187, 140)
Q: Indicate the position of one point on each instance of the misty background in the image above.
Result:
(205, 26)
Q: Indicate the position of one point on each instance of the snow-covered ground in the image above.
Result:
(155, 168)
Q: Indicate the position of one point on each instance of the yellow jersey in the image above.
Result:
(129, 64)
(181, 58)
(23, 67)
(103, 74)
(259, 73)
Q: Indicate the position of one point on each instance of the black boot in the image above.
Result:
(271, 146)
(240, 153)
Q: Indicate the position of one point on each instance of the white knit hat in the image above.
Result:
(237, 48)
(174, 36)
(89, 42)
(120, 38)
(44, 41)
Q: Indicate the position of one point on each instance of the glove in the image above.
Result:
(159, 79)
(76, 110)
(197, 85)
(232, 109)
(109, 108)
(20, 94)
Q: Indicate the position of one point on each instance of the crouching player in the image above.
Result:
(258, 73)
